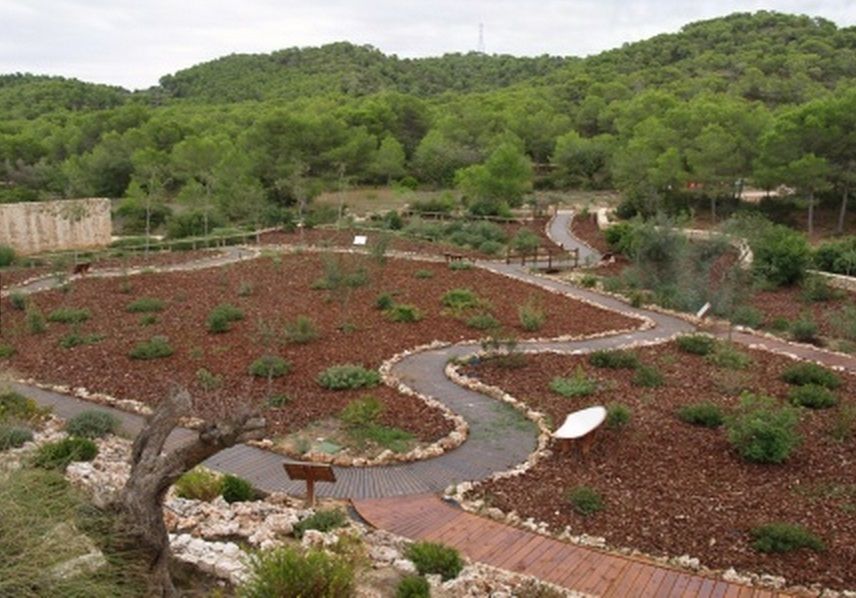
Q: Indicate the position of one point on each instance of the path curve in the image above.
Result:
(559, 231)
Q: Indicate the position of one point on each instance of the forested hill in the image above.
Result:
(27, 96)
(344, 68)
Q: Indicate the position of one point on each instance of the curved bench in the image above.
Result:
(579, 427)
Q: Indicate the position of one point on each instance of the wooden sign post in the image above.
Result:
(311, 473)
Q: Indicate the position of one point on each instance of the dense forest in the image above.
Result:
(765, 99)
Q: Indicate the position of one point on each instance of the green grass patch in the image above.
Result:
(704, 414)
(145, 305)
(69, 315)
(577, 385)
(157, 347)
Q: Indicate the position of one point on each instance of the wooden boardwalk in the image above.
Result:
(585, 570)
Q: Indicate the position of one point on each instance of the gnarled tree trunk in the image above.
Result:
(154, 470)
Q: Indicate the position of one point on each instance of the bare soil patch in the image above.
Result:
(272, 292)
(585, 228)
(670, 488)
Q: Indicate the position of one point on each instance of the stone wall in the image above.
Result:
(35, 227)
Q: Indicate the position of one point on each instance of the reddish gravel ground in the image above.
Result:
(671, 488)
(281, 290)
(585, 228)
(788, 303)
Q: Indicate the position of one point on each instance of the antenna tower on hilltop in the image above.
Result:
(480, 49)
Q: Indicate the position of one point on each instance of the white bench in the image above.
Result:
(579, 427)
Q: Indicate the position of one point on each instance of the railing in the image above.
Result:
(543, 257)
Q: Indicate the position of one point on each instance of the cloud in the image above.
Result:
(134, 43)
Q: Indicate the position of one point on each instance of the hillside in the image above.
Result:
(28, 96)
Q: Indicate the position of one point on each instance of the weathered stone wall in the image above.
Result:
(34, 227)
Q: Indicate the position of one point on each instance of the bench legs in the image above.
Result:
(577, 446)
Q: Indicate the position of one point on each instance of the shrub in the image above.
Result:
(431, 558)
(460, 265)
(490, 247)
(697, 344)
(92, 423)
(585, 501)
(13, 437)
(461, 299)
(779, 324)
(16, 407)
(781, 255)
(221, 317)
(57, 455)
(235, 489)
(278, 401)
(617, 415)
(7, 256)
(844, 423)
(362, 412)
(726, 355)
(532, 317)
(199, 484)
(208, 380)
(6, 350)
(286, 571)
(18, 301)
(619, 237)
(68, 315)
(35, 320)
(843, 322)
(155, 348)
(270, 366)
(76, 339)
(588, 281)
(323, 521)
(811, 373)
(704, 414)
(815, 289)
(837, 256)
(384, 301)
(245, 289)
(423, 274)
(148, 320)
(348, 376)
(762, 431)
(804, 330)
(145, 305)
(578, 385)
(648, 376)
(301, 331)
(746, 315)
(413, 586)
(812, 396)
(483, 321)
(784, 537)
(615, 360)
(402, 312)
(525, 241)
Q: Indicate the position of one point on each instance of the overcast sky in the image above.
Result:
(134, 43)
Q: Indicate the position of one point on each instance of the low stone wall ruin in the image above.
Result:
(40, 226)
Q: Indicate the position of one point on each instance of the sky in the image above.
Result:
(134, 43)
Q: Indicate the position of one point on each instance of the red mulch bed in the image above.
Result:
(788, 303)
(281, 292)
(17, 275)
(585, 228)
(670, 488)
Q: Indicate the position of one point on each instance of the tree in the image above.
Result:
(582, 162)
(197, 158)
(499, 183)
(151, 175)
(808, 174)
(389, 160)
(154, 470)
(715, 160)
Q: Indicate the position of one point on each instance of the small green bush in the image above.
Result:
(402, 312)
(348, 376)
(617, 359)
(705, 414)
(6, 350)
(483, 321)
(270, 366)
(18, 301)
(323, 521)
(585, 501)
(199, 484)
(811, 373)
(696, 344)
(844, 423)
(278, 401)
(588, 281)
(13, 437)
(57, 455)
(145, 305)
(460, 300)
(287, 571)
(525, 241)
(780, 324)
(746, 315)
(413, 586)
(35, 320)
(7, 256)
(362, 412)
(431, 558)
(208, 380)
(245, 289)
(92, 423)
(648, 376)
(784, 537)
(423, 274)
(781, 255)
(301, 331)
(148, 320)
(16, 407)
(617, 415)
(490, 247)
(813, 396)
(804, 330)
(76, 339)
(578, 385)
(762, 431)
(531, 315)
(816, 290)
(384, 301)
(221, 317)
(728, 356)
(156, 347)
(68, 315)
(460, 265)
(235, 489)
